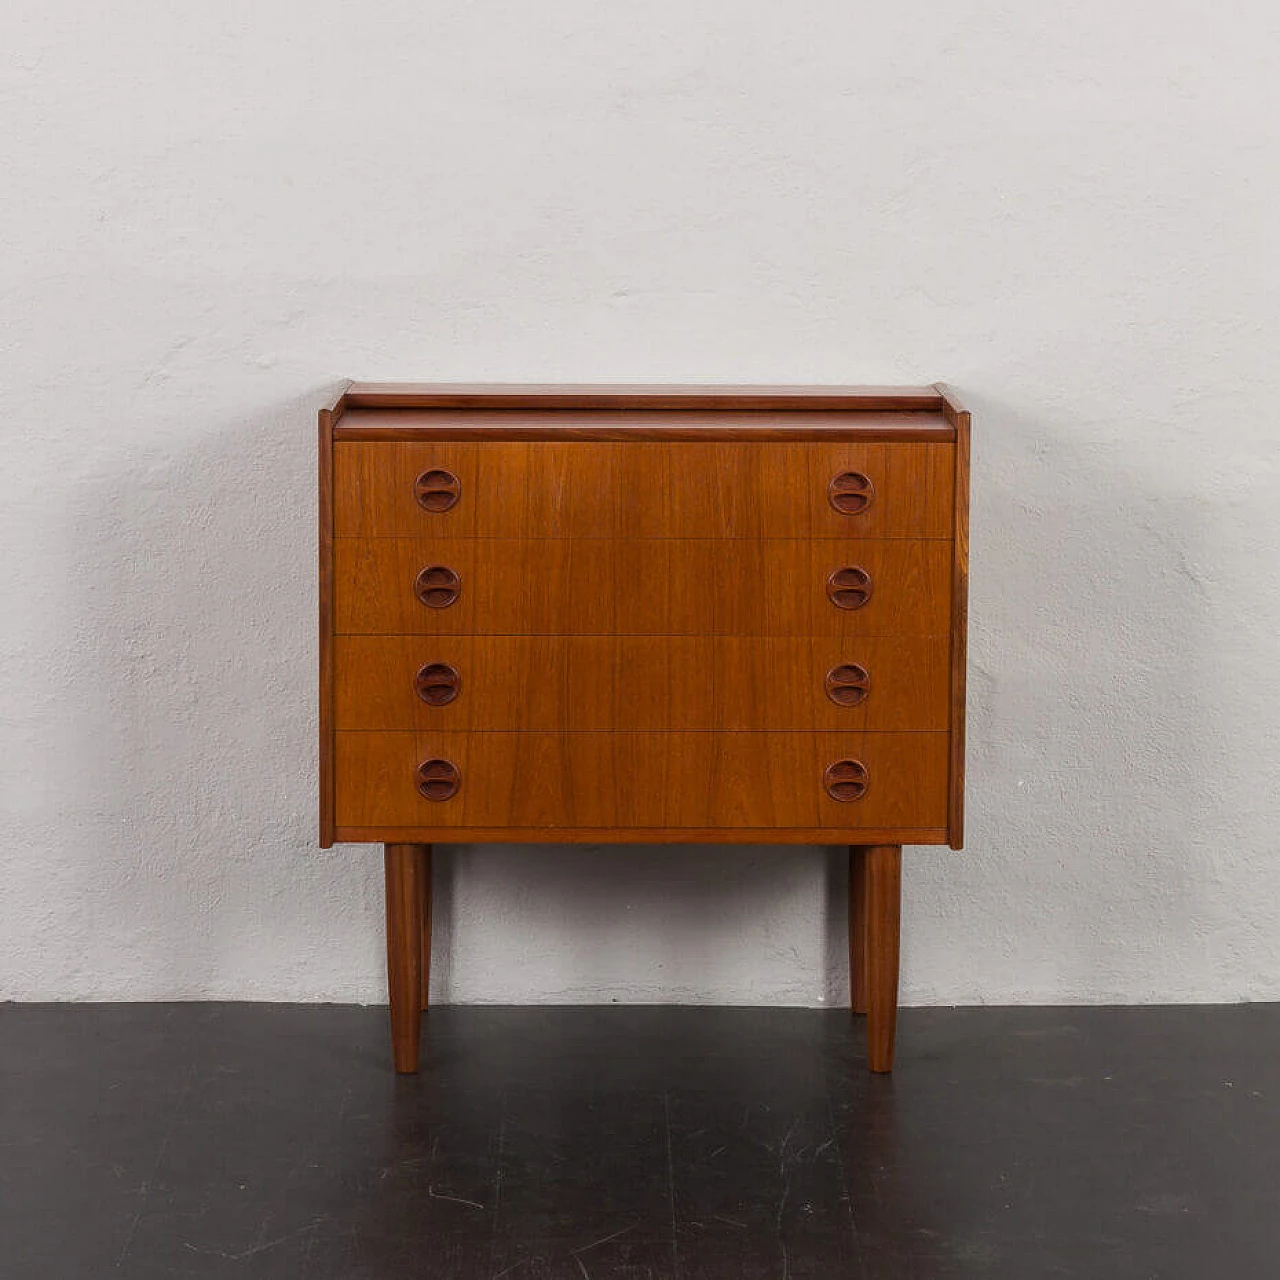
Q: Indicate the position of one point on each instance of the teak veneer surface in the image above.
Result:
(639, 397)
(549, 781)
(632, 425)
(636, 636)
(594, 489)
(513, 586)
(639, 835)
(959, 618)
(612, 683)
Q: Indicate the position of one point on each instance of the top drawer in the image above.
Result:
(643, 489)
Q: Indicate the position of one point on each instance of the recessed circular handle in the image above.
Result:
(851, 492)
(437, 490)
(848, 684)
(846, 780)
(849, 588)
(438, 779)
(437, 586)
(437, 683)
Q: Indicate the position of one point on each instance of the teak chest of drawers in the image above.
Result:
(643, 614)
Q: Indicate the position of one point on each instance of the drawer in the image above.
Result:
(550, 586)
(555, 781)
(608, 683)
(643, 489)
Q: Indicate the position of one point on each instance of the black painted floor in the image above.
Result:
(273, 1141)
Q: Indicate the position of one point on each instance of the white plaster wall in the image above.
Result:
(213, 213)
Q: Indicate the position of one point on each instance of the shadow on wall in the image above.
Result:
(659, 924)
(1093, 693)
(197, 735)
(1094, 696)
(194, 610)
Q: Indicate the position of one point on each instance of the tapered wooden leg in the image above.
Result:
(858, 928)
(882, 892)
(426, 927)
(406, 866)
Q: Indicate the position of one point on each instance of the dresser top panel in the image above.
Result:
(390, 411)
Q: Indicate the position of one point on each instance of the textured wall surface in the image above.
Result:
(212, 214)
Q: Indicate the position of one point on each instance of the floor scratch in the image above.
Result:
(845, 1194)
(145, 1189)
(782, 1150)
(671, 1187)
(440, 1195)
(777, 1222)
(256, 1249)
(499, 1148)
(604, 1240)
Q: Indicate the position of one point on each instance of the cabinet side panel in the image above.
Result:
(959, 633)
(325, 508)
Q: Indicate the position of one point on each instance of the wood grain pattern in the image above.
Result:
(630, 426)
(607, 683)
(593, 489)
(428, 860)
(406, 870)
(324, 469)
(635, 835)
(476, 396)
(549, 782)
(883, 894)
(858, 988)
(409, 426)
(338, 405)
(959, 617)
(641, 587)
(633, 633)
(949, 402)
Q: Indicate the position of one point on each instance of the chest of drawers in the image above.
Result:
(718, 615)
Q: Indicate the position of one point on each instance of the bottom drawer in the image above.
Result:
(601, 781)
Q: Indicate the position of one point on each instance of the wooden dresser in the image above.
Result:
(643, 614)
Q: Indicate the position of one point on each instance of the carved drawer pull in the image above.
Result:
(437, 586)
(849, 588)
(851, 493)
(437, 490)
(848, 684)
(437, 683)
(438, 779)
(846, 780)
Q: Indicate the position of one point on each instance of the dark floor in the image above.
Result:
(273, 1140)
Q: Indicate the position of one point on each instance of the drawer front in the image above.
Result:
(498, 586)
(556, 781)
(610, 683)
(644, 489)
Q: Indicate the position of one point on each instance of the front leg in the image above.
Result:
(875, 910)
(407, 872)
(858, 928)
